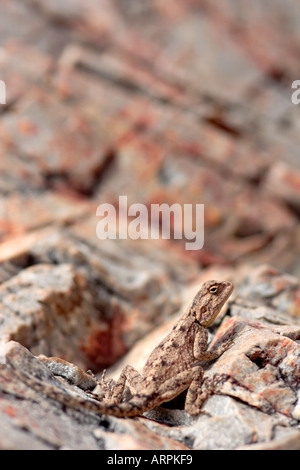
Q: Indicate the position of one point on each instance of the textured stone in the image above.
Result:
(25, 425)
(263, 366)
(48, 132)
(229, 424)
(42, 306)
(74, 430)
(21, 67)
(95, 293)
(256, 399)
(284, 182)
(273, 289)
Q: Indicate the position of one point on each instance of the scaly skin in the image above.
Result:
(172, 367)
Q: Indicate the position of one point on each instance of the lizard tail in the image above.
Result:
(42, 383)
(134, 407)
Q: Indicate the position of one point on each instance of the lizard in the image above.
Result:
(172, 367)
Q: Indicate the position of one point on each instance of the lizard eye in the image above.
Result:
(213, 290)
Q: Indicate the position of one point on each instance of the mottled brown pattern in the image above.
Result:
(171, 368)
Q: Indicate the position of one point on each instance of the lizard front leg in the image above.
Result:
(199, 390)
(200, 343)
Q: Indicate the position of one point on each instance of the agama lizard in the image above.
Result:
(171, 368)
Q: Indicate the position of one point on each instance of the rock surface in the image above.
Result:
(168, 104)
(86, 304)
(256, 400)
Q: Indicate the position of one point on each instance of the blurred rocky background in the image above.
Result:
(164, 102)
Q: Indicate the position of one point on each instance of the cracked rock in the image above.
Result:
(254, 403)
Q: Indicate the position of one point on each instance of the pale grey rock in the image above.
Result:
(255, 403)
(44, 307)
(289, 440)
(87, 301)
(261, 368)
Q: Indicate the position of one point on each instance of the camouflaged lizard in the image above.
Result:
(171, 368)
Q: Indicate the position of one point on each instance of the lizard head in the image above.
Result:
(209, 301)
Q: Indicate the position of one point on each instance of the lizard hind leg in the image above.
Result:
(172, 387)
(130, 376)
(196, 395)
